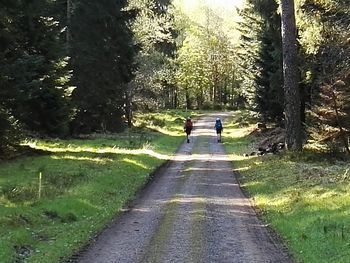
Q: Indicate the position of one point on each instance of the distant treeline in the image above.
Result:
(73, 66)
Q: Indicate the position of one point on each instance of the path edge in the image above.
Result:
(276, 238)
(153, 176)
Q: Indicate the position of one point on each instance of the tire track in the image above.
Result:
(194, 211)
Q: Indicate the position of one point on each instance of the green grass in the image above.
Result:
(84, 184)
(304, 197)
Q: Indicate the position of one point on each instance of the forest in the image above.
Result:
(94, 95)
(71, 67)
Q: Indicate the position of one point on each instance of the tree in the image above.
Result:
(193, 75)
(324, 41)
(33, 72)
(291, 79)
(102, 54)
(10, 132)
(154, 32)
(260, 55)
(206, 61)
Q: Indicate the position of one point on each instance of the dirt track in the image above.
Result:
(194, 211)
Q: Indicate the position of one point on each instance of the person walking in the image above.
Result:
(188, 128)
(218, 128)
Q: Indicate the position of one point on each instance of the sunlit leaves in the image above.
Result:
(206, 59)
(155, 36)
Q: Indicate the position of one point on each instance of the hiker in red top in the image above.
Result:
(188, 128)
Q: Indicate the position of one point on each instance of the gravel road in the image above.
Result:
(194, 211)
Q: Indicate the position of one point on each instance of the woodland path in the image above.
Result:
(193, 211)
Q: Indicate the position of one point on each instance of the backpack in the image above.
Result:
(218, 125)
(189, 124)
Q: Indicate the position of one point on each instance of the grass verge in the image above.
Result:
(304, 197)
(52, 204)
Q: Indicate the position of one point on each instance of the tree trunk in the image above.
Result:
(128, 109)
(291, 77)
(176, 103)
(187, 98)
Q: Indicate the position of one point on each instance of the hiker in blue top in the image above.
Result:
(218, 127)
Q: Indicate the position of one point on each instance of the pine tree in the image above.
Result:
(261, 57)
(324, 40)
(10, 132)
(269, 92)
(102, 54)
(33, 70)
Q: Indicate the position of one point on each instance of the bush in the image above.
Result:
(218, 107)
(10, 132)
(207, 105)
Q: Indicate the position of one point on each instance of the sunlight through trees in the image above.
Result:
(71, 67)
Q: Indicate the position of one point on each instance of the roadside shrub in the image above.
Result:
(207, 106)
(158, 122)
(10, 132)
(231, 107)
(179, 121)
(154, 120)
(218, 107)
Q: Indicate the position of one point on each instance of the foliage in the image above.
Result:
(154, 31)
(33, 72)
(206, 73)
(324, 38)
(10, 132)
(102, 61)
(260, 55)
(323, 64)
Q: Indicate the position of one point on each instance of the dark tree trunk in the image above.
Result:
(128, 109)
(176, 103)
(291, 77)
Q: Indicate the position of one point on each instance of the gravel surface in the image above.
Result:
(194, 211)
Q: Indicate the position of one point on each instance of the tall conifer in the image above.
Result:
(261, 56)
(291, 77)
(33, 71)
(102, 54)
